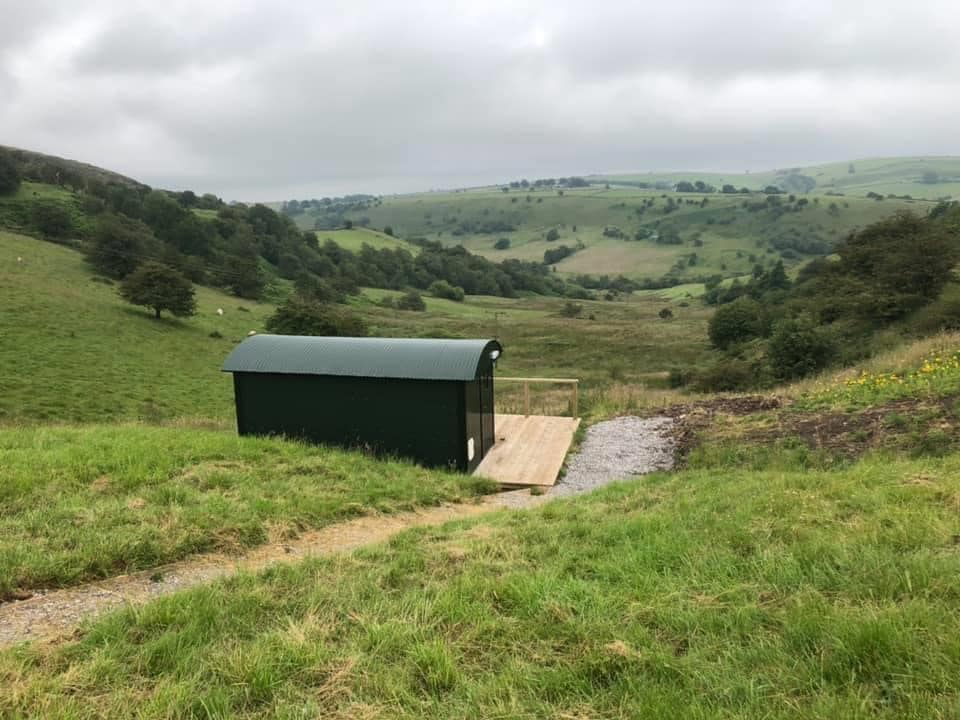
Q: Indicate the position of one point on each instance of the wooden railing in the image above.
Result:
(572, 382)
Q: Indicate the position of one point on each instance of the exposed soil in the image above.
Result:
(692, 419)
(924, 426)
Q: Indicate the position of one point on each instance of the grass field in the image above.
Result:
(708, 593)
(79, 503)
(358, 237)
(80, 354)
(896, 175)
(727, 238)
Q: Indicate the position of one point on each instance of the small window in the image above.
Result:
(469, 449)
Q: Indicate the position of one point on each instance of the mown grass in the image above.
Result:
(78, 503)
(709, 593)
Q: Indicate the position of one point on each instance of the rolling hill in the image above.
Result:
(688, 235)
(930, 178)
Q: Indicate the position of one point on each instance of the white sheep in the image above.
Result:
(251, 333)
(19, 259)
(220, 311)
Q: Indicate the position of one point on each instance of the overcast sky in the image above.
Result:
(270, 100)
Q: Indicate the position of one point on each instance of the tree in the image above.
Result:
(118, 246)
(160, 287)
(9, 175)
(931, 178)
(302, 316)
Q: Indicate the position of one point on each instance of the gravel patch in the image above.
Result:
(617, 449)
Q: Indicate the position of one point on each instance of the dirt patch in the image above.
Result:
(921, 426)
(692, 419)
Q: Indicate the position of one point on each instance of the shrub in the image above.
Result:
(798, 347)
(553, 235)
(411, 301)
(728, 375)
(443, 289)
(502, 244)
(736, 322)
(119, 244)
(299, 316)
(665, 313)
(571, 309)
(51, 218)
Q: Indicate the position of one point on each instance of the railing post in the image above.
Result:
(526, 399)
(576, 393)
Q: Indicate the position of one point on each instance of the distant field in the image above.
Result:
(358, 237)
(726, 237)
(78, 353)
(898, 176)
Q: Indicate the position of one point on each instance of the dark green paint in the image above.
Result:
(427, 420)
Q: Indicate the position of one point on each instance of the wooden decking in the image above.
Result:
(529, 451)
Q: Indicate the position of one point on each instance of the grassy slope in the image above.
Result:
(897, 175)
(358, 237)
(593, 209)
(78, 353)
(704, 594)
(78, 503)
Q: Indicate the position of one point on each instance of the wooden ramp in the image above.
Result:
(529, 451)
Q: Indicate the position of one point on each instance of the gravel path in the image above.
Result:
(613, 450)
(617, 449)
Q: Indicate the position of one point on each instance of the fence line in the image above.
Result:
(572, 382)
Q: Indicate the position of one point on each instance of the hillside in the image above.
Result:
(930, 178)
(775, 576)
(686, 235)
(91, 357)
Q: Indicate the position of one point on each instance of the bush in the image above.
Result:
(502, 244)
(299, 316)
(411, 301)
(443, 289)
(553, 235)
(665, 313)
(798, 347)
(571, 309)
(159, 287)
(51, 218)
(736, 322)
(119, 244)
(728, 375)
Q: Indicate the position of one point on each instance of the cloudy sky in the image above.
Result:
(267, 100)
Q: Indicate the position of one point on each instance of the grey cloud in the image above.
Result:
(261, 99)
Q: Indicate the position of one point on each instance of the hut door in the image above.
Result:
(486, 412)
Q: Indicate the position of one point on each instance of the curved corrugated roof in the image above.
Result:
(412, 359)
